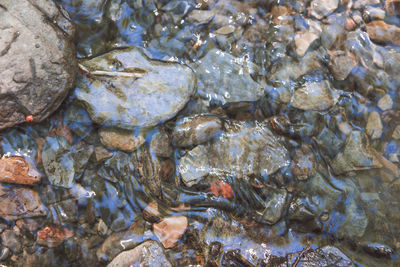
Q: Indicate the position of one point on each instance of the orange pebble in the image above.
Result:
(29, 118)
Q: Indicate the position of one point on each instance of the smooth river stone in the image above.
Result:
(244, 149)
(159, 94)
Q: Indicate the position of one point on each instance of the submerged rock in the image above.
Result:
(53, 236)
(16, 170)
(170, 229)
(303, 40)
(148, 253)
(313, 96)
(374, 125)
(244, 149)
(325, 256)
(356, 155)
(227, 79)
(385, 103)
(160, 144)
(383, 33)
(37, 60)
(18, 202)
(196, 130)
(322, 8)
(120, 139)
(136, 92)
(63, 162)
(275, 206)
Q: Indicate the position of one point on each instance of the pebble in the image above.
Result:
(373, 13)
(385, 103)
(374, 126)
(11, 240)
(17, 170)
(321, 8)
(121, 140)
(303, 40)
(396, 133)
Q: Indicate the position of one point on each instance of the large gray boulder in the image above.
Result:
(37, 60)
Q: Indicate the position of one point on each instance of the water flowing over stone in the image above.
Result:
(37, 60)
(244, 149)
(227, 79)
(136, 92)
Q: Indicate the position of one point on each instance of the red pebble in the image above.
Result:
(223, 189)
(29, 118)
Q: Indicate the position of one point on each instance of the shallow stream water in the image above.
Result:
(277, 133)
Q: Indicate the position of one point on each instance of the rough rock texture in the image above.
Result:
(18, 203)
(244, 149)
(119, 139)
(117, 98)
(374, 125)
(227, 79)
(325, 256)
(196, 130)
(16, 170)
(148, 253)
(37, 60)
(53, 236)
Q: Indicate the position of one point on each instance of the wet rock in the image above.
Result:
(373, 13)
(303, 163)
(4, 253)
(53, 236)
(396, 133)
(244, 149)
(160, 144)
(325, 256)
(148, 253)
(350, 24)
(392, 7)
(16, 170)
(119, 139)
(314, 96)
(151, 213)
(34, 53)
(11, 240)
(374, 126)
(378, 250)
(18, 202)
(275, 206)
(383, 33)
(196, 130)
(138, 92)
(120, 241)
(385, 103)
(356, 155)
(360, 4)
(222, 189)
(303, 40)
(334, 32)
(63, 162)
(321, 8)
(170, 229)
(341, 64)
(102, 154)
(198, 17)
(226, 79)
(78, 121)
(102, 228)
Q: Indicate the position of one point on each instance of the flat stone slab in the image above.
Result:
(126, 89)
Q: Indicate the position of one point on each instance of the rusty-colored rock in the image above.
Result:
(383, 33)
(53, 236)
(170, 229)
(18, 202)
(16, 170)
